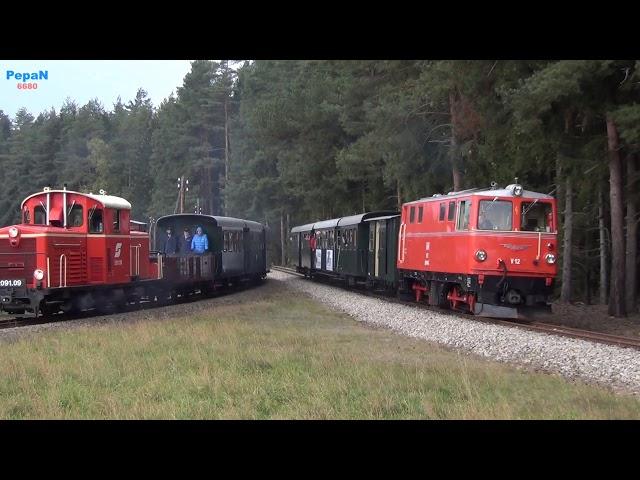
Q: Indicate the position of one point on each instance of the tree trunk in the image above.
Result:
(604, 277)
(565, 293)
(457, 178)
(455, 170)
(616, 293)
(282, 239)
(632, 237)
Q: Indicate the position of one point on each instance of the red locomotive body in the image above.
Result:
(490, 252)
(71, 245)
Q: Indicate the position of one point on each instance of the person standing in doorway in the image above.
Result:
(170, 243)
(185, 241)
(200, 242)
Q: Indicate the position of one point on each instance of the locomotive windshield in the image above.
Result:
(495, 215)
(536, 217)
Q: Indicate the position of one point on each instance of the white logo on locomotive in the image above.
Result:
(118, 250)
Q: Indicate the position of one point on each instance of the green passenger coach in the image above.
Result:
(341, 248)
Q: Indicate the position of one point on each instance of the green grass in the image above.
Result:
(277, 356)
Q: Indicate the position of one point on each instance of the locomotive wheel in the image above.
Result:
(457, 305)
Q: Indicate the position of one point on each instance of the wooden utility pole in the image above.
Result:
(183, 187)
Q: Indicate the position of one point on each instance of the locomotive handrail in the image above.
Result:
(403, 229)
(160, 266)
(137, 260)
(63, 256)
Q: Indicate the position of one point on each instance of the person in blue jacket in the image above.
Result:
(199, 242)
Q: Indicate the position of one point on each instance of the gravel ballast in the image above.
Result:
(614, 367)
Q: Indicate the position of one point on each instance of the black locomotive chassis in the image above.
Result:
(14, 300)
(494, 289)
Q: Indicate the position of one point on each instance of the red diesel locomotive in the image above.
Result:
(486, 251)
(491, 252)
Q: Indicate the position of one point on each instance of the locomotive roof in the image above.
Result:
(228, 222)
(109, 201)
(503, 192)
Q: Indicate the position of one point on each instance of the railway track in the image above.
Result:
(597, 337)
(26, 321)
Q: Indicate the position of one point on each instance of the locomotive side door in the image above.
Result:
(123, 256)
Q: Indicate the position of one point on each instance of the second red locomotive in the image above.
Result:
(486, 251)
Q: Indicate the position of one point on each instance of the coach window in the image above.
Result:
(443, 208)
(463, 215)
(412, 214)
(116, 221)
(420, 214)
(96, 224)
(452, 211)
(39, 215)
(74, 217)
(495, 215)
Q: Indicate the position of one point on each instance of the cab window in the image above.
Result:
(116, 220)
(412, 214)
(74, 217)
(495, 215)
(26, 217)
(96, 224)
(39, 215)
(452, 211)
(536, 217)
(463, 215)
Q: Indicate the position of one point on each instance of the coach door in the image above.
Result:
(381, 254)
(246, 245)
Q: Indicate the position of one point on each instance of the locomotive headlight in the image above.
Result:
(517, 190)
(38, 274)
(550, 258)
(481, 255)
(13, 232)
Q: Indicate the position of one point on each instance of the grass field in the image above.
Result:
(276, 356)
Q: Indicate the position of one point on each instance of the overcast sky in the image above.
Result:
(82, 80)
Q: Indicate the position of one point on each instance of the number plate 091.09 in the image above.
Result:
(10, 283)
